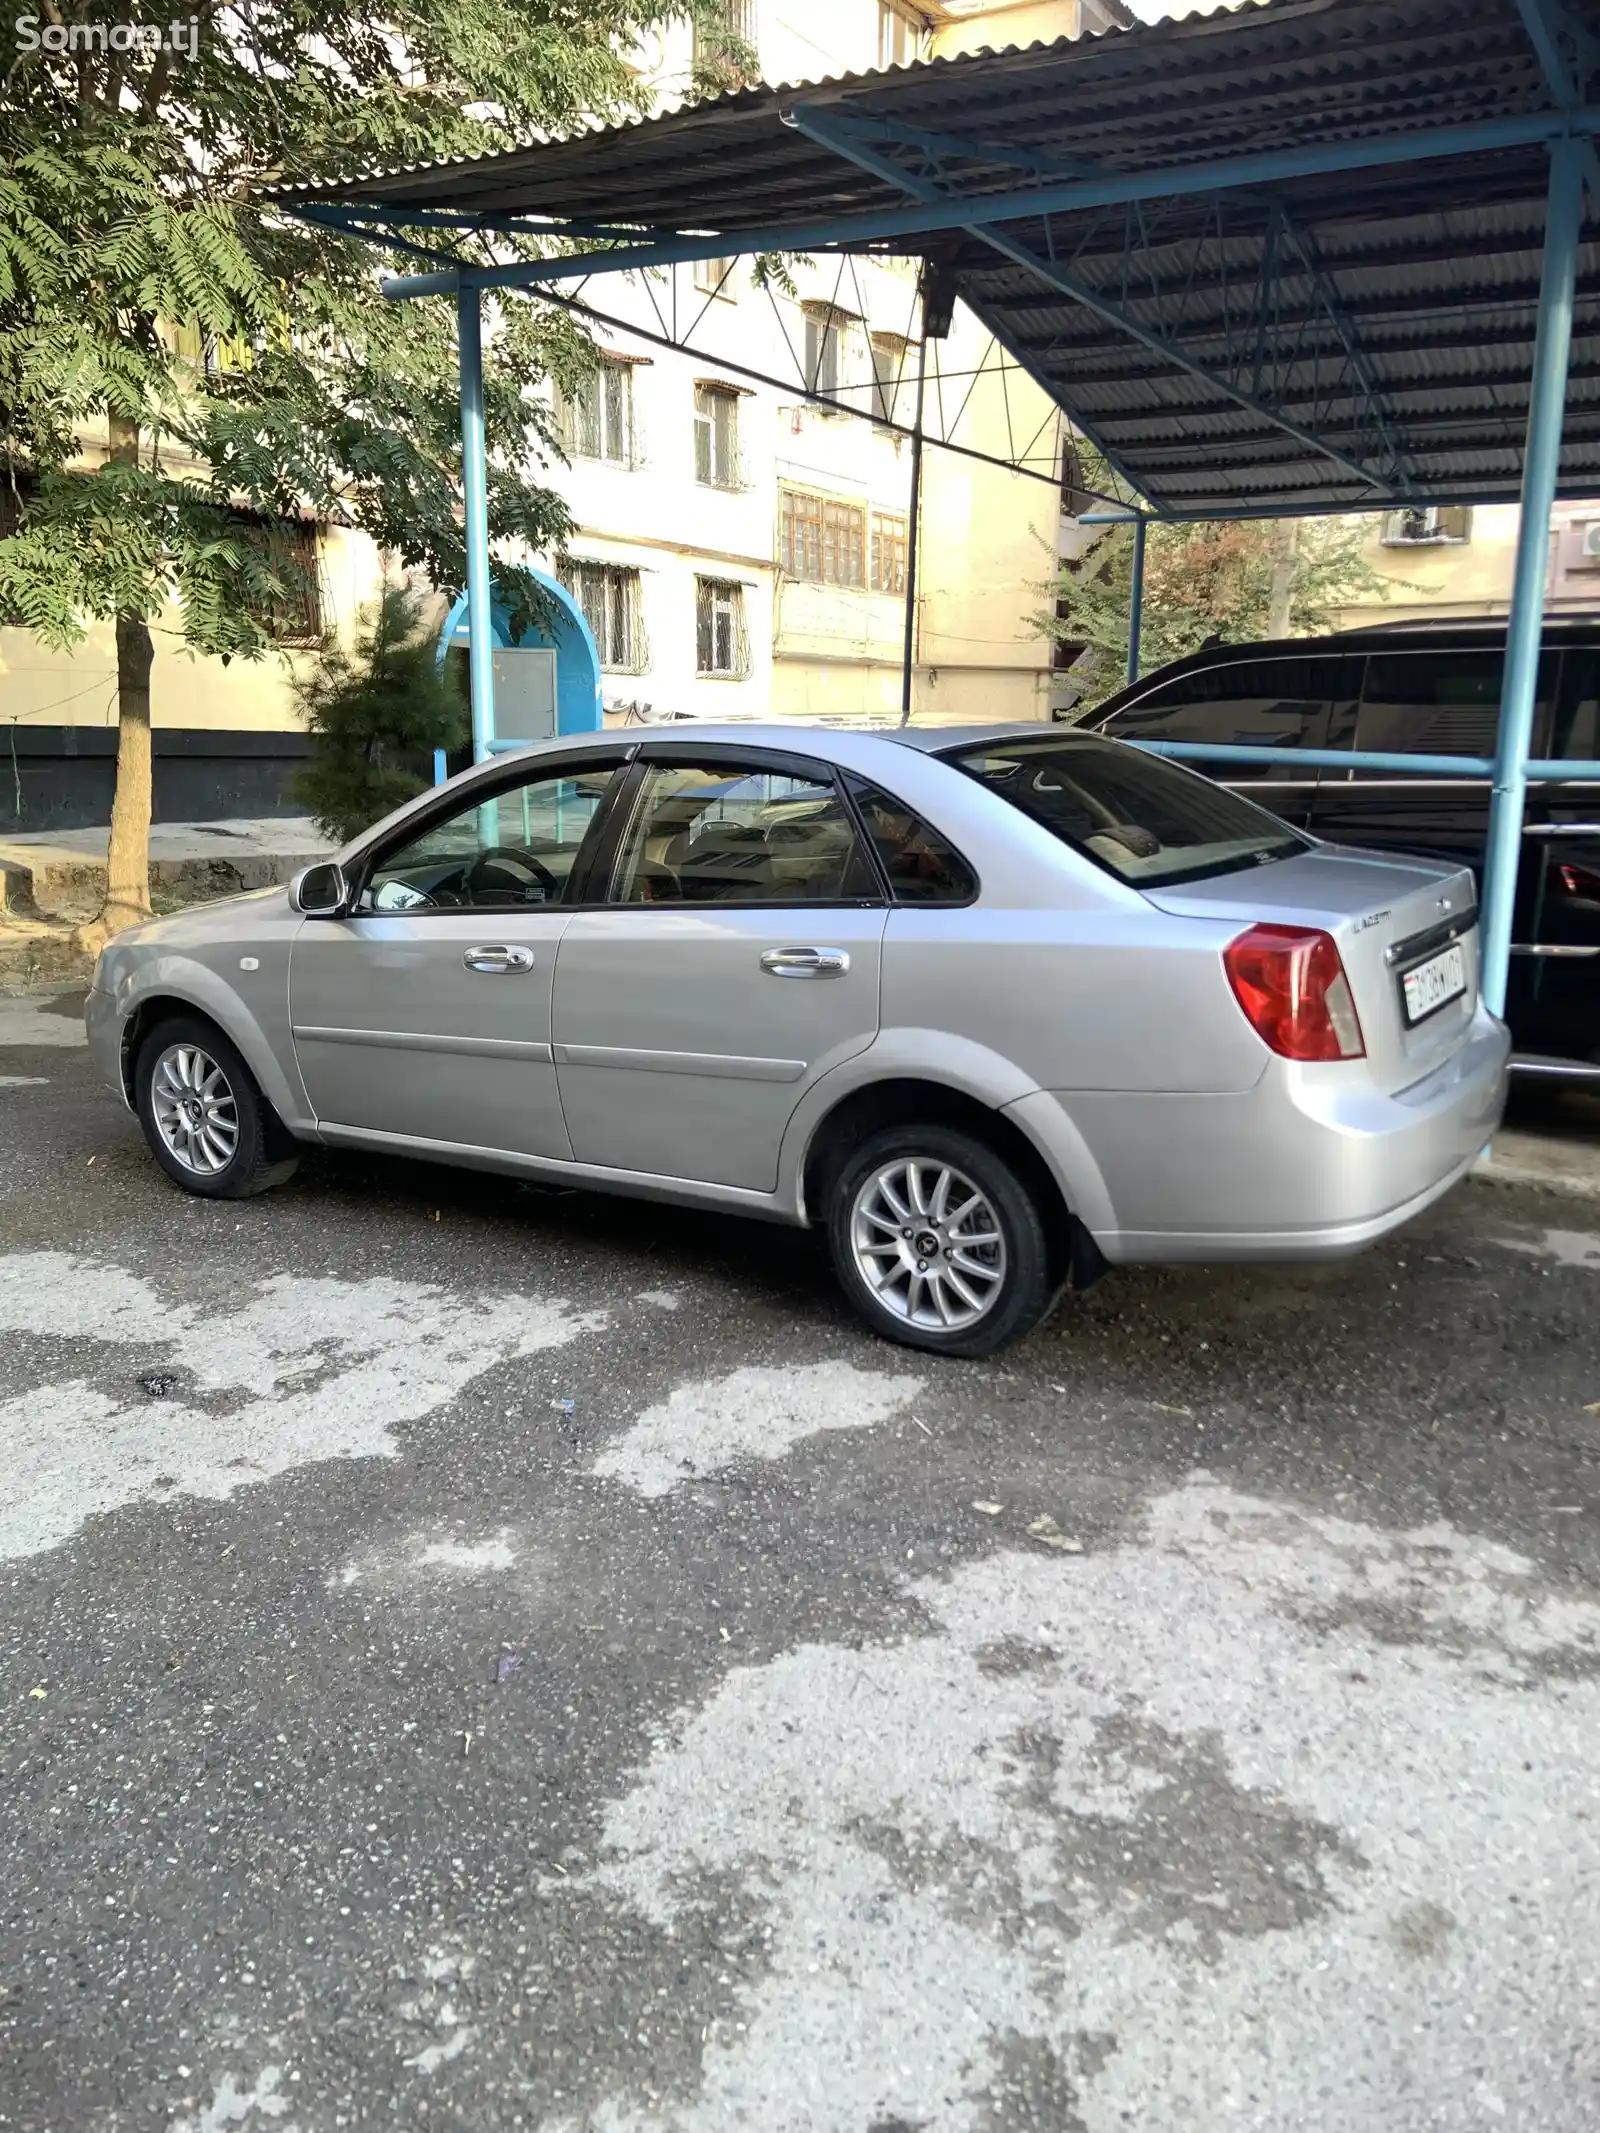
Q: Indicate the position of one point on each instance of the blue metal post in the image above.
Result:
(1136, 599)
(475, 501)
(1540, 466)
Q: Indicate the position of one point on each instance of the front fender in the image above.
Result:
(186, 982)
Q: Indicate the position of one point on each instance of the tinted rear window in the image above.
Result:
(1438, 703)
(1280, 703)
(1138, 816)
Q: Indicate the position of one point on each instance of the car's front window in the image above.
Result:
(1138, 816)
(515, 849)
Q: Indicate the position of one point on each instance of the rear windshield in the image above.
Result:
(1135, 814)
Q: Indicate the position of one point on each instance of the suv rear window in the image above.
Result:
(1137, 815)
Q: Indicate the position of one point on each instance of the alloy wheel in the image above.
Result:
(195, 1110)
(928, 1244)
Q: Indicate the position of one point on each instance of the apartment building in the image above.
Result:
(225, 734)
(744, 504)
(1455, 564)
(743, 530)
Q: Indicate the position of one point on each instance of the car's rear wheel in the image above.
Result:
(938, 1242)
(207, 1122)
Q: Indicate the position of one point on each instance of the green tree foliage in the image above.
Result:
(375, 718)
(174, 348)
(1204, 584)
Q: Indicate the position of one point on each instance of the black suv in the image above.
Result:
(1419, 689)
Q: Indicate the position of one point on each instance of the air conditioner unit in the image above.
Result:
(1591, 540)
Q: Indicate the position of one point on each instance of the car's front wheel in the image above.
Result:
(938, 1242)
(207, 1122)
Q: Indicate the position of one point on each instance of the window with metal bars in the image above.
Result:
(288, 547)
(595, 420)
(609, 595)
(888, 552)
(726, 36)
(721, 646)
(716, 437)
(821, 540)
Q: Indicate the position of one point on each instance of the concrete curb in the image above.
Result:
(39, 953)
(65, 885)
(1575, 1184)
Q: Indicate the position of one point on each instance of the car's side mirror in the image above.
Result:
(320, 891)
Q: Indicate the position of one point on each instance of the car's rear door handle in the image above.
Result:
(499, 962)
(805, 962)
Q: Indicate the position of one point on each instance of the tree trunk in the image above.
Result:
(127, 898)
(1280, 609)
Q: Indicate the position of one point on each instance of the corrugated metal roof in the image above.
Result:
(1429, 271)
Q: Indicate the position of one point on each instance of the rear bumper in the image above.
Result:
(1307, 1165)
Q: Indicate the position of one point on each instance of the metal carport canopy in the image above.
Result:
(1140, 219)
(1302, 255)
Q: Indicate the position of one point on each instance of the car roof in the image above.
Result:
(834, 743)
(1007, 848)
(1476, 627)
(932, 740)
(1481, 633)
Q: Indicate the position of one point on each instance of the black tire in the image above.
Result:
(1016, 1289)
(263, 1154)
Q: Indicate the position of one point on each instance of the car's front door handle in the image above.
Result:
(805, 962)
(499, 962)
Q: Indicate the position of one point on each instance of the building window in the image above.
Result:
(719, 636)
(888, 552)
(714, 277)
(610, 599)
(1430, 526)
(716, 437)
(725, 43)
(1076, 495)
(902, 36)
(888, 367)
(1065, 649)
(822, 541)
(595, 420)
(288, 548)
(824, 350)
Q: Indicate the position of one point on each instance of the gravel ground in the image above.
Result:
(475, 1657)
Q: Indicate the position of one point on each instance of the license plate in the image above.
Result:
(1433, 983)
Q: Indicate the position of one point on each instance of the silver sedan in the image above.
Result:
(994, 1009)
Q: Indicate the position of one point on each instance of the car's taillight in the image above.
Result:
(1290, 982)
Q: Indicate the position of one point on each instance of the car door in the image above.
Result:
(1276, 700)
(735, 959)
(1435, 700)
(424, 1016)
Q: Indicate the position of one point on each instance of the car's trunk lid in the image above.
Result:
(1387, 917)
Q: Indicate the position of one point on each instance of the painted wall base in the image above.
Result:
(62, 777)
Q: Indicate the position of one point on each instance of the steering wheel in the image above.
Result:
(506, 874)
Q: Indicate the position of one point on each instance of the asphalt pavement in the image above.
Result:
(475, 1657)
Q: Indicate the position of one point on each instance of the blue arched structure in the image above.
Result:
(578, 706)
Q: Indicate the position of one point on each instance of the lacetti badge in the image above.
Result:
(1373, 918)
